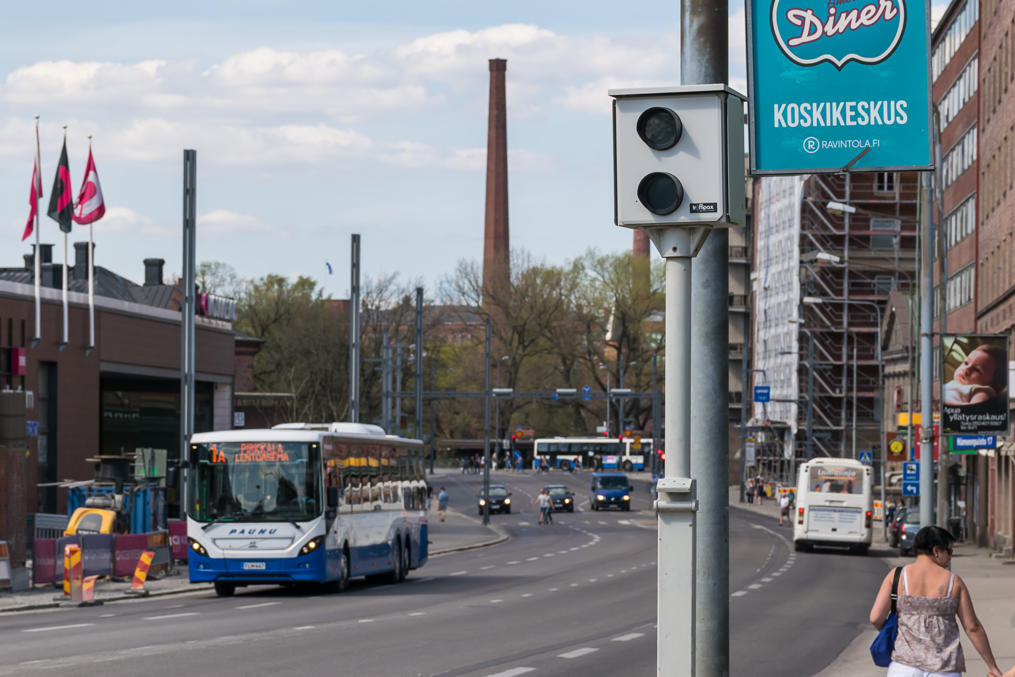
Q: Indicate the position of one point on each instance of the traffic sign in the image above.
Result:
(910, 471)
(896, 450)
(762, 393)
(586, 393)
(910, 488)
(970, 444)
(867, 458)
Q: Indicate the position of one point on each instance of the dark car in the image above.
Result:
(500, 499)
(561, 497)
(893, 526)
(610, 489)
(908, 528)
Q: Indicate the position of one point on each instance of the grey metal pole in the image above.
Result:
(486, 430)
(704, 49)
(744, 390)
(810, 395)
(853, 440)
(419, 368)
(881, 430)
(385, 382)
(620, 402)
(657, 428)
(398, 386)
(926, 354)
(354, 334)
(187, 313)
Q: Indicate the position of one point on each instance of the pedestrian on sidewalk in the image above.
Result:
(544, 504)
(784, 508)
(759, 485)
(750, 491)
(930, 598)
(442, 504)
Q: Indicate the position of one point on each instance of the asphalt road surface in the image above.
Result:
(577, 597)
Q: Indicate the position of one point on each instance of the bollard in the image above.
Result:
(141, 572)
(73, 562)
(66, 570)
(88, 592)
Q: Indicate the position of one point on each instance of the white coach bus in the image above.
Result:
(834, 504)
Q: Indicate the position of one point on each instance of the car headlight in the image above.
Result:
(567, 500)
(482, 501)
(311, 545)
(197, 547)
(626, 497)
(507, 501)
(600, 497)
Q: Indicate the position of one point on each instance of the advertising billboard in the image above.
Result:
(839, 83)
(974, 384)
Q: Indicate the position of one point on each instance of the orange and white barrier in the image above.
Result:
(141, 572)
(88, 589)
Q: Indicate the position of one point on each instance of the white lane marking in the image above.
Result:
(422, 580)
(767, 579)
(574, 585)
(531, 559)
(628, 637)
(526, 594)
(496, 601)
(458, 573)
(609, 575)
(593, 580)
(549, 554)
(58, 627)
(305, 627)
(512, 672)
(573, 549)
(584, 651)
(174, 606)
(514, 561)
(552, 589)
(418, 613)
(488, 567)
(739, 593)
(255, 606)
(107, 615)
(562, 552)
(754, 586)
(159, 618)
(602, 522)
(627, 522)
(524, 524)
(366, 620)
(777, 573)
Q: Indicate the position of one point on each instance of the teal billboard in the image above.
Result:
(839, 84)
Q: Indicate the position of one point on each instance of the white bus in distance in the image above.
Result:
(834, 505)
(613, 454)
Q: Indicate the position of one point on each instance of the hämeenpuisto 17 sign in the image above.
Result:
(831, 79)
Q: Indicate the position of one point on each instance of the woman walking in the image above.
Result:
(930, 597)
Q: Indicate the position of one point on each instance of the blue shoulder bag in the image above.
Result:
(884, 643)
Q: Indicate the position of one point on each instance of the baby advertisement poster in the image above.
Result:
(974, 384)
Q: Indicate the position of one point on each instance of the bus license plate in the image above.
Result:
(254, 566)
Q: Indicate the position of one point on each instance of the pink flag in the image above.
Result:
(90, 206)
(36, 193)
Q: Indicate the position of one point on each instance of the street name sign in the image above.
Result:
(838, 84)
(762, 393)
(910, 488)
(970, 444)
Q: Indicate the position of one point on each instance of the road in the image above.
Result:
(574, 597)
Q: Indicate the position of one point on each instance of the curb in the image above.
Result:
(502, 536)
(118, 597)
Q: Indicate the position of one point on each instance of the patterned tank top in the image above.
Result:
(928, 631)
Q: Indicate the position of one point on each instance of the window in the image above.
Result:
(960, 222)
(958, 94)
(884, 182)
(959, 291)
(957, 32)
(959, 158)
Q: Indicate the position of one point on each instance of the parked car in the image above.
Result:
(610, 489)
(500, 499)
(561, 497)
(893, 526)
(907, 531)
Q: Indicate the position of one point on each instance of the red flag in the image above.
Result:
(90, 206)
(36, 193)
(61, 200)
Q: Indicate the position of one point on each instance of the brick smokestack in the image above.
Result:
(496, 247)
(641, 244)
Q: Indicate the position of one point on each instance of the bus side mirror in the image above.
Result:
(332, 497)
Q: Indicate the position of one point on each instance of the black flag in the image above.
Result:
(61, 199)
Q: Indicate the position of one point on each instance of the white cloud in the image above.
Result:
(124, 219)
(222, 222)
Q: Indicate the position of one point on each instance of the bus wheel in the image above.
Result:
(224, 589)
(565, 465)
(860, 549)
(627, 466)
(396, 562)
(406, 561)
(800, 546)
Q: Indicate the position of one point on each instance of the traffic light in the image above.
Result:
(678, 156)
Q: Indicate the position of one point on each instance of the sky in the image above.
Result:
(319, 119)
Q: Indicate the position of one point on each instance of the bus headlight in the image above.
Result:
(197, 547)
(600, 497)
(482, 502)
(507, 501)
(311, 545)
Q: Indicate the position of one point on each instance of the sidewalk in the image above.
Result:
(991, 584)
(459, 532)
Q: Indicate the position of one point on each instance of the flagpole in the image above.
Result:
(63, 343)
(38, 247)
(91, 278)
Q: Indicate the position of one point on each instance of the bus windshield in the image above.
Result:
(827, 479)
(255, 482)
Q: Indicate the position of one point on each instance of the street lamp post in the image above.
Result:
(496, 407)
(608, 397)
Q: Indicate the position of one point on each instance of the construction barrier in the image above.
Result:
(141, 572)
(44, 560)
(178, 539)
(61, 562)
(97, 554)
(5, 566)
(127, 550)
(88, 589)
(158, 543)
(73, 576)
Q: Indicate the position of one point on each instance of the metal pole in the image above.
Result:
(704, 49)
(354, 337)
(676, 506)
(620, 402)
(881, 430)
(419, 368)
(187, 312)
(926, 354)
(609, 397)
(810, 395)
(486, 430)
(385, 382)
(398, 386)
(657, 428)
(853, 440)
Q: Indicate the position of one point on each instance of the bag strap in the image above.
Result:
(895, 587)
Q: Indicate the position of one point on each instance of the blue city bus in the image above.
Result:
(304, 503)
